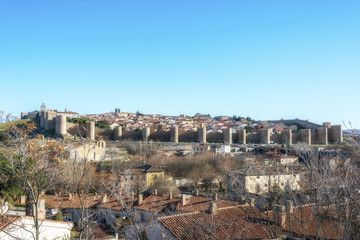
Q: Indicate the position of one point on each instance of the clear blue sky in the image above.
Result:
(263, 59)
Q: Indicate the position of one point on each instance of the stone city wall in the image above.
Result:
(323, 135)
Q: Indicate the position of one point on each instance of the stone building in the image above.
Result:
(90, 151)
(261, 179)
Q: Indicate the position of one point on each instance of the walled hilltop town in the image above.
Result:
(121, 175)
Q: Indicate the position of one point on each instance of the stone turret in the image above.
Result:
(117, 132)
(90, 127)
(50, 120)
(60, 128)
(174, 134)
(201, 132)
(322, 135)
(146, 134)
(227, 135)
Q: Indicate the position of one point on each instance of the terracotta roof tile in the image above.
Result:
(246, 222)
(157, 204)
(75, 201)
(7, 220)
(199, 203)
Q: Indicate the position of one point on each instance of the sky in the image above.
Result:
(264, 59)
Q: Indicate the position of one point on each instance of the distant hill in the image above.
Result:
(351, 132)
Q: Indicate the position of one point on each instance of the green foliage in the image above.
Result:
(80, 121)
(103, 124)
(4, 137)
(10, 185)
(248, 129)
(58, 216)
(138, 114)
(237, 118)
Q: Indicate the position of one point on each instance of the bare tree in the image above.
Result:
(36, 165)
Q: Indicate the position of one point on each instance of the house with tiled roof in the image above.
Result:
(186, 203)
(247, 222)
(260, 179)
(102, 208)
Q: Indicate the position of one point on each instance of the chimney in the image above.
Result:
(290, 206)
(70, 196)
(183, 200)
(213, 208)
(41, 211)
(23, 200)
(215, 197)
(197, 192)
(140, 200)
(280, 215)
(104, 198)
(170, 195)
(155, 192)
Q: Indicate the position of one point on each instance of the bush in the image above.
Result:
(58, 216)
(4, 137)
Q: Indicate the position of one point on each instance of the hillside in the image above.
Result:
(5, 126)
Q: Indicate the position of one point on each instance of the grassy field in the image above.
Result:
(5, 126)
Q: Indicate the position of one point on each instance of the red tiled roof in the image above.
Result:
(68, 112)
(304, 222)
(199, 203)
(64, 201)
(246, 222)
(227, 223)
(115, 204)
(7, 220)
(157, 204)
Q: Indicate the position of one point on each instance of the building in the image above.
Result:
(247, 222)
(223, 149)
(147, 174)
(261, 179)
(88, 150)
(22, 227)
(68, 114)
(199, 149)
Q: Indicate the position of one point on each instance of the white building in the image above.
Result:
(22, 227)
(260, 179)
(68, 114)
(223, 149)
(87, 151)
(199, 149)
